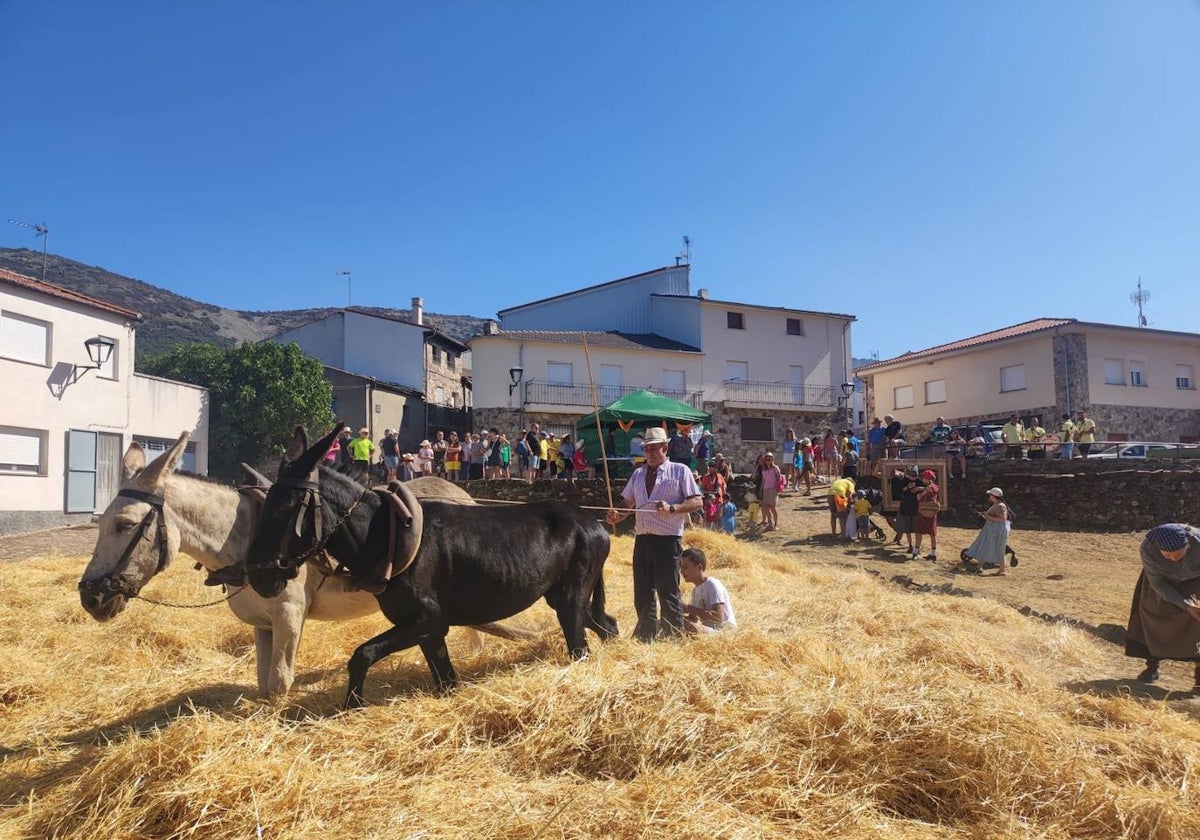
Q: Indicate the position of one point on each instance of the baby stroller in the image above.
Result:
(875, 499)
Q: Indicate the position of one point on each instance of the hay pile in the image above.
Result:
(843, 708)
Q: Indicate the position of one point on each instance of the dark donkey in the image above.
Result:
(431, 565)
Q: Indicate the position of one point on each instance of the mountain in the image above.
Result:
(169, 320)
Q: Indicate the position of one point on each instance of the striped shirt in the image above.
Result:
(674, 483)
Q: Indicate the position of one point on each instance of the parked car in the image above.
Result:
(1147, 450)
(992, 446)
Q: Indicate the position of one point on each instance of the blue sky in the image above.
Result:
(938, 169)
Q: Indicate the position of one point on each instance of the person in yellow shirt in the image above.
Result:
(862, 514)
(544, 446)
(841, 502)
(1013, 433)
(553, 448)
(1066, 433)
(1085, 432)
(1033, 436)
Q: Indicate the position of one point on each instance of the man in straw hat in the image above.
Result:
(1164, 619)
(662, 493)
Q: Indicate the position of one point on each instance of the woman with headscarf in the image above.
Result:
(1164, 620)
(987, 552)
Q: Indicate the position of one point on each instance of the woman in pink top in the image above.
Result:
(772, 477)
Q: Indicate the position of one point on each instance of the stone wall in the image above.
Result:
(1069, 351)
(727, 430)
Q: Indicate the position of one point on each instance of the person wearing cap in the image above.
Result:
(713, 482)
(724, 468)
(1164, 618)
(389, 453)
(704, 449)
(662, 495)
(360, 452)
(424, 459)
(987, 551)
(906, 485)
(927, 515)
(406, 471)
(534, 444)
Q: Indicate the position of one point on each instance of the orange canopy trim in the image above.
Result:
(684, 428)
(625, 425)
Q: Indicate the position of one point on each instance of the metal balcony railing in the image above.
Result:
(550, 393)
(779, 393)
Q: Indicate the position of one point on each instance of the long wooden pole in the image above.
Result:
(599, 431)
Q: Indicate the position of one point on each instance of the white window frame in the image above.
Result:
(555, 370)
(19, 338)
(1185, 379)
(736, 371)
(23, 451)
(1137, 374)
(935, 391)
(902, 397)
(731, 316)
(1012, 378)
(1114, 371)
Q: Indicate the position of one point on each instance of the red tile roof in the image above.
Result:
(1015, 331)
(65, 294)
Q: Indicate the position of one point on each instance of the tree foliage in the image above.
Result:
(258, 393)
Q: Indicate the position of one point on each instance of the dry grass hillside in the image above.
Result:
(846, 706)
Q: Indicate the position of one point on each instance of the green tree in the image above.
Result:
(258, 393)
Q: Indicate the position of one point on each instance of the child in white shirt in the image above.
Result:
(710, 610)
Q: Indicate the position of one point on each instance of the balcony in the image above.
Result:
(780, 394)
(580, 396)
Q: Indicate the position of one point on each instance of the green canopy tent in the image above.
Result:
(645, 409)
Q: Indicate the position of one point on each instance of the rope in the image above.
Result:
(599, 431)
(641, 509)
(188, 606)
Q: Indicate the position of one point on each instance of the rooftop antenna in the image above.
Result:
(1139, 297)
(685, 256)
(345, 272)
(42, 231)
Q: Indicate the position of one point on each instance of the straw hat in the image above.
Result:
(407, 456)
(997, 492)
(425, 442)
(655, 434)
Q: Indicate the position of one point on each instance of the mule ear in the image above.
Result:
(156, 474)
(296, 447)
(253, 477)
(306, 462)
(133, 462)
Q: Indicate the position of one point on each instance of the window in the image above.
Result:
(441, 395)
(758, 429)
(737, 371)
(156, 446)
(935, 391)
(902, 397)
(437, 355)
(795, 326)
(22, 451)
(451, 359)
(1012, 378)
(108, 370)
(1137, 374)
(1114, 372)
(735, 321)
(559, 373)
(674, 381)
(1183, 377)
(24, 339)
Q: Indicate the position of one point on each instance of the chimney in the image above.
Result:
(418, 311)
(702, 294)
(491, 327)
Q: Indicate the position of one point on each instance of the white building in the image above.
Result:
(756, 369)
(65, 421)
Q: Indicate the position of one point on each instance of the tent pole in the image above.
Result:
(599, 431)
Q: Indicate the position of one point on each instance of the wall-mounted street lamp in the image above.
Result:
(515, 374)
(844, 410)
(847, 389)
(65, 374)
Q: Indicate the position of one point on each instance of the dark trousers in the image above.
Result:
(1013, 451)
(656, 572)
(1037, 454)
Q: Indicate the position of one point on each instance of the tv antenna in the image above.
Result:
(684, 257)
(41, 230)
(1138, 298)
(345, 272)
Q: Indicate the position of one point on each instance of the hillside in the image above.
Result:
(169, 319)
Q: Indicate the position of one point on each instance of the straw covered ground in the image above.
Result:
(845, 707)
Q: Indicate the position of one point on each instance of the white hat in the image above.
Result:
(425, 442)
(997, 492)
(655, 434)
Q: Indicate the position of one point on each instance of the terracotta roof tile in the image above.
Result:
(1015, 331)
(615, 340)
(65, 294)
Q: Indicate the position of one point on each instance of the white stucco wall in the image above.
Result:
(387, 350)
(323, 339)
(1156, 354)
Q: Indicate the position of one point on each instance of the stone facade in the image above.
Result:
(1070, 373)
(741, 454)
(1136, 422)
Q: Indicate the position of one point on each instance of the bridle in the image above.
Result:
(308, 508)
(111, 583)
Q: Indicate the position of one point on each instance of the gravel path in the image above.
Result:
(76, 541)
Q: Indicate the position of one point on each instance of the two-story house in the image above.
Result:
(756, 369)
(74, 403)
(389, 373)
(1136, 383)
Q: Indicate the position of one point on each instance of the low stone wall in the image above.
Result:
(1075, 495)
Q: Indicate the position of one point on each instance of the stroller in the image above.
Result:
(875, 499)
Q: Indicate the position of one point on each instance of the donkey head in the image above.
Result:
(291, 523)
(136, 538)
